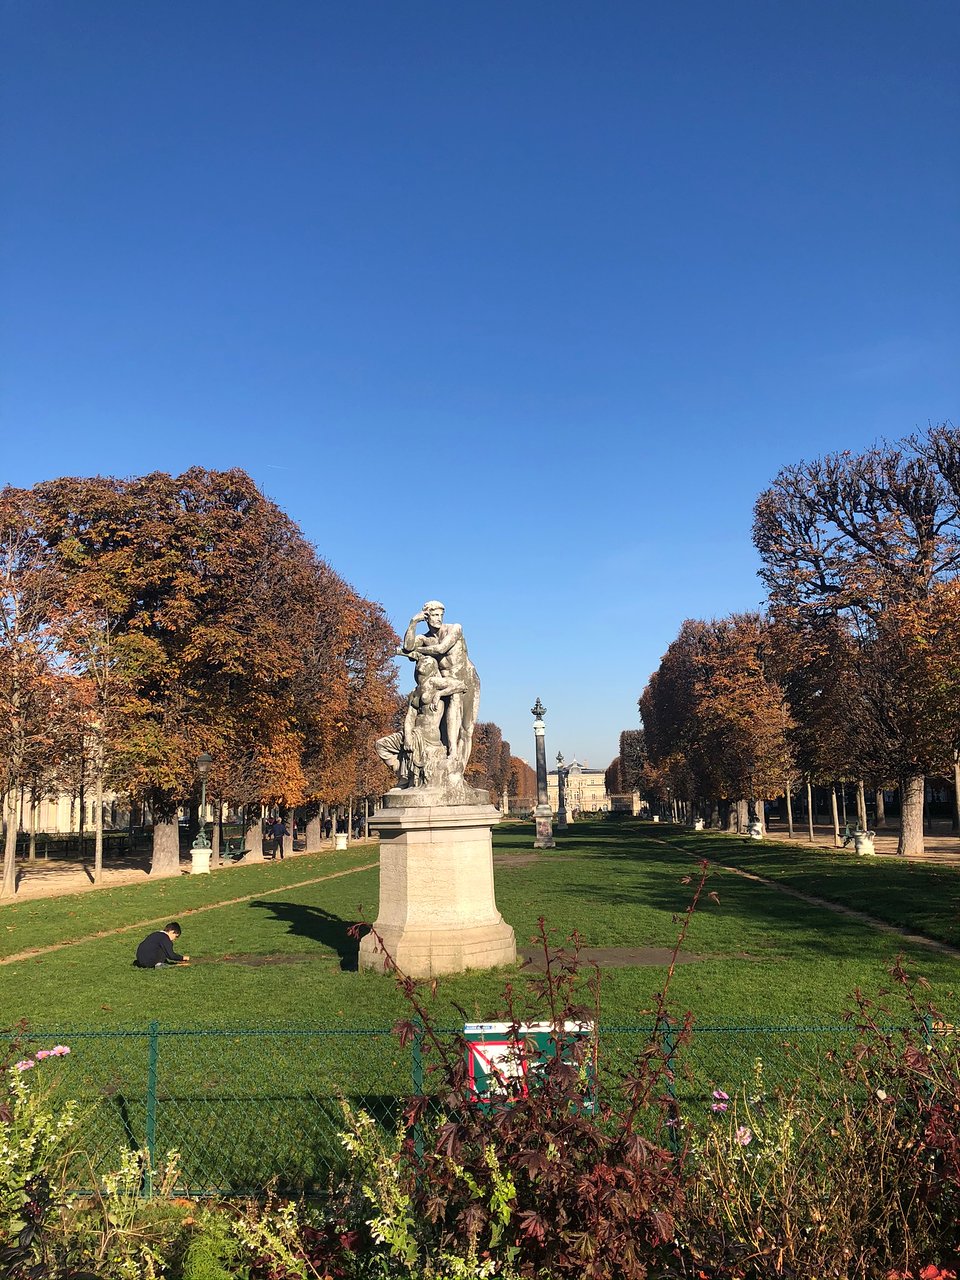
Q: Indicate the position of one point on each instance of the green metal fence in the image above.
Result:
(244, 1108)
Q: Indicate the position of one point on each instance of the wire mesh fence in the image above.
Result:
(252, 1107)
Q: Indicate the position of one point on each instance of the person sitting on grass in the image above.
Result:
(156, 950)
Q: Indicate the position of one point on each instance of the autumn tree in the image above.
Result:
(631, 756)
(29, 675)
(872, 541)
(489, 766)
(346, 693)
(742, 722)
(714, 717)
(521, 778)
(86, 525)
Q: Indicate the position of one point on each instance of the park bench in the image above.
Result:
(232, 850)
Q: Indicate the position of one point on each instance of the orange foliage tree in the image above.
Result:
(31, 686)
(196, 618)
(714, 717)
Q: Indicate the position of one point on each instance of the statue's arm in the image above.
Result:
(441, 647)
(409, 721)
(410, 635)
(446, 687)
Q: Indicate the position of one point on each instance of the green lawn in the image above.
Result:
(766, 957)
(281, 960)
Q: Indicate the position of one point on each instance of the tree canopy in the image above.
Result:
(189, 614)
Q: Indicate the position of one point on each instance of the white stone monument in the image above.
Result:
(438, 913)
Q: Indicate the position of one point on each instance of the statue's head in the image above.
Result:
(433, 612)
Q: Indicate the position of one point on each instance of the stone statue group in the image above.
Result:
(432, 749)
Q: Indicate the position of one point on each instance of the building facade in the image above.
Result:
(586, 789)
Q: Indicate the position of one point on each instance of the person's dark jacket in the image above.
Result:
(156, 949)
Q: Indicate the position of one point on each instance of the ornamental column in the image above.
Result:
(543, 814)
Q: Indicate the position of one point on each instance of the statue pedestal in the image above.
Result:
(437, 908)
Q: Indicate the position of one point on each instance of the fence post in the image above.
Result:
(928, 1030)
(153, 1054)
(673, 1113)
(417, 1071)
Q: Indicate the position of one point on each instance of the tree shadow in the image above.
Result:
(318, 925)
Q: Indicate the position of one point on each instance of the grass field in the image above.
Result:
(273, 952)
(282, 955)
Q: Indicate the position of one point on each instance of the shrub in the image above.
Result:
(854, 1177)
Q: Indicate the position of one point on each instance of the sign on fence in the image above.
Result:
(504, 1059)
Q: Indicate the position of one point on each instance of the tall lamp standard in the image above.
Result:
(543, 814)
(561, 793)
(200, 853)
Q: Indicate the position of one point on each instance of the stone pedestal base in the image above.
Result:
(543, 817)
(437, 908)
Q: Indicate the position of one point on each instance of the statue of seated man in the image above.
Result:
(418, 754)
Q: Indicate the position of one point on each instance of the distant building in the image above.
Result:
(586, 789)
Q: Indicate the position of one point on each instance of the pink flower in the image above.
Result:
(721, 1096)
(41, 1054)
(718, 1106)
(60, 1050)
(744, 1136)
(24, 1064)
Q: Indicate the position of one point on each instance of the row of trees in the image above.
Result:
(853, 670)
(494, 768)
(144, 621)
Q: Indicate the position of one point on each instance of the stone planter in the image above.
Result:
(755, 831)
(340, 841)
(698, 824)
(863, 843)
(200, 862)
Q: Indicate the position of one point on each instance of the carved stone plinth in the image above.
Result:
(437, 908)
(543, 817)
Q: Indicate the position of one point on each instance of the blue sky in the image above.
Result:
(515, 304)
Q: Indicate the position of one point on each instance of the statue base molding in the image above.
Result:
(437, 911)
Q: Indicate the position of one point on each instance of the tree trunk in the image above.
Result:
(789, 810)
(881, 819)
(216, 834)
(98, 828)
(861, 806)
(742, 808)
(350, 820)
(166, 844)
(835, 815)
(758, 809)
(911, 815)
(8, 887)
(314, 831)
(34, 823)
(254, 837)
(288, 822)
(366, 814)
(810, 810)
(843, 802)
(955, 822)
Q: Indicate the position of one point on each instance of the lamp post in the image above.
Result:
(200, 853)
(543, 814)
(561, 793)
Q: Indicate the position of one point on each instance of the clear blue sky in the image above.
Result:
(515, 304)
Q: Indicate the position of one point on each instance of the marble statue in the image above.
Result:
(432, 749)
(445, 642)
(418, 754)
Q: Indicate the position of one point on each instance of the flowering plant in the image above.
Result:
(33, 1133)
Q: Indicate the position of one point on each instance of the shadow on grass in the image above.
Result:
(321, 926)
